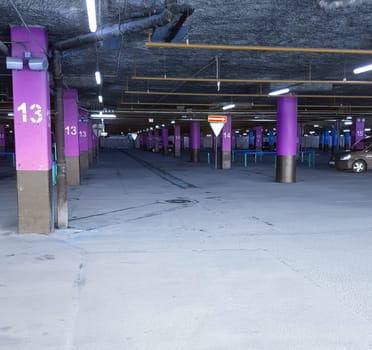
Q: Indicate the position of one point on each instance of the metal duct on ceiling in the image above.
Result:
(4, 49)
(171, 11)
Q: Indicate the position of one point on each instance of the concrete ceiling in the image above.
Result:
(126, 63)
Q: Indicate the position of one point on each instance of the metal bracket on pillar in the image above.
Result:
(62, 208)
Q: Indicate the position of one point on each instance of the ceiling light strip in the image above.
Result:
(92, 19)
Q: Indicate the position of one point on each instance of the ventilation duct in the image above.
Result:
(173, 13)
(4, 49)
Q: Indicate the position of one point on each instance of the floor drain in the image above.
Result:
(178, 201)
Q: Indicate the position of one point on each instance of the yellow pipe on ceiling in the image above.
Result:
(243, 104)
(238, 95)
(257, 48)
(257, 81)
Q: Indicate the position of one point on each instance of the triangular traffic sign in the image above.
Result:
(216, 127)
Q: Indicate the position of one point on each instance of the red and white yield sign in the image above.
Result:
(217, 122)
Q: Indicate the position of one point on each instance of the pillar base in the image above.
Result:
(84, 160)
(194, 155)
(73, 171)
(226, 160)
(177, 152)
(35, 205)
(286, 169)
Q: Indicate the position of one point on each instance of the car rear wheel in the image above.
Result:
(359, 166)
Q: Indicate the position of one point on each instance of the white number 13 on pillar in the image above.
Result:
(36, 113)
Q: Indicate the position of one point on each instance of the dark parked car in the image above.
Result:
(358, 159)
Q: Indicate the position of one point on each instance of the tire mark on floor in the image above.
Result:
(174, 180)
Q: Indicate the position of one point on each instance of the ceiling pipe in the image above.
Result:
(172, 9)
(244, 104)
(4, 49)
(256, 81)
(238, 95)
(258, 48)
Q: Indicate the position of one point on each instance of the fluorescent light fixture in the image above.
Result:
(346, 130)
(230, 106)
(173, 122)
(349, 117)
(91, 9)
(10, 114)
(362, 69)
(367, 129)
(151, 120)
(316, 125)
(101, 115)
(98, 77)
(100, 99)
(279, 92)
(348, 123)
(163, 125)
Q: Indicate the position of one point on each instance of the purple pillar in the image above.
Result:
(233, 139)
(195, 141)
(142, 142)
(177, 141)
(164, 139)
(90, 142)
(258, 137)
(2, 138)
(156, 140)
(286, 139)
(226, 144)
(32, 124)
(149, 141)
(357, 133)
(83, 143)
(71, 125)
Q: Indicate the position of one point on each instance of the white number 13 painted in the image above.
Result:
(37, 115)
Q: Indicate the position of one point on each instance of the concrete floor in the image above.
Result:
(165, 254)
